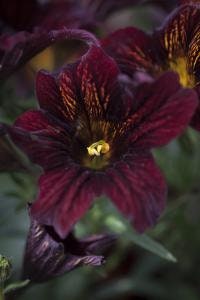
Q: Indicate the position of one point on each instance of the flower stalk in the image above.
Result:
(1, 293)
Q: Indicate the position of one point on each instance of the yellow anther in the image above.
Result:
(98, 148)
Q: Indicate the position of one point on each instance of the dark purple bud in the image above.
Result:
(48, 256)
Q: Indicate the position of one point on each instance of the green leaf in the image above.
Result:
(116, 223)
(151, 245)
(16, 285)
(142, 240)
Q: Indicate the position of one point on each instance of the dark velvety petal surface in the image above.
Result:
(138, 189)
(134, 184)
(48, 256)
(65, 195)
(132, 48)
(94, 81)
(42, 138)
(67, 86)
(50, 97)
(164, 110)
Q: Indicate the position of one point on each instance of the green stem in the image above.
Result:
(20, 157)
(1, 294)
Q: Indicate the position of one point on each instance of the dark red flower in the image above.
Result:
(47, 255)
(176, 47)
(92, 139)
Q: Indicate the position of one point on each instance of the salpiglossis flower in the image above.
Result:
(176, 47)
(93, 137)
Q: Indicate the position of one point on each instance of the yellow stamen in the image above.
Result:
(180, 66)
(98, 148)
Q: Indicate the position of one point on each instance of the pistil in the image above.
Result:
(98, 148)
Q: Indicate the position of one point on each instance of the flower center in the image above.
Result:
(98, 148)
(180, 66)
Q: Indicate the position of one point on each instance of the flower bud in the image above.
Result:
(5, 268)
(48, 256)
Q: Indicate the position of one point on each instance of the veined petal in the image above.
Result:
(52, 99)
(138, 189)
(179, 37)
(42, 138)
(165, 110)
(65, 195)
(96, 75)
(67, 86)
(132, 48)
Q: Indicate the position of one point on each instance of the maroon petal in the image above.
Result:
(50, 97)
(138, 189)
(132, 48)
(179, 38)
(99, 89)
(42, 138)
(165, 109)
(48, 256)
(65, 195)
(67, 86)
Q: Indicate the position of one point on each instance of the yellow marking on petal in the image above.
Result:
(98, 148)
(44, 60)
(179, 65)
(68, 96)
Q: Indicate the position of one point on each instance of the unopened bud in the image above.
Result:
(5, 268)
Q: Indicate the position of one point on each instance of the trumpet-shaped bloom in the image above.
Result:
(173, 47)
(93, 137)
